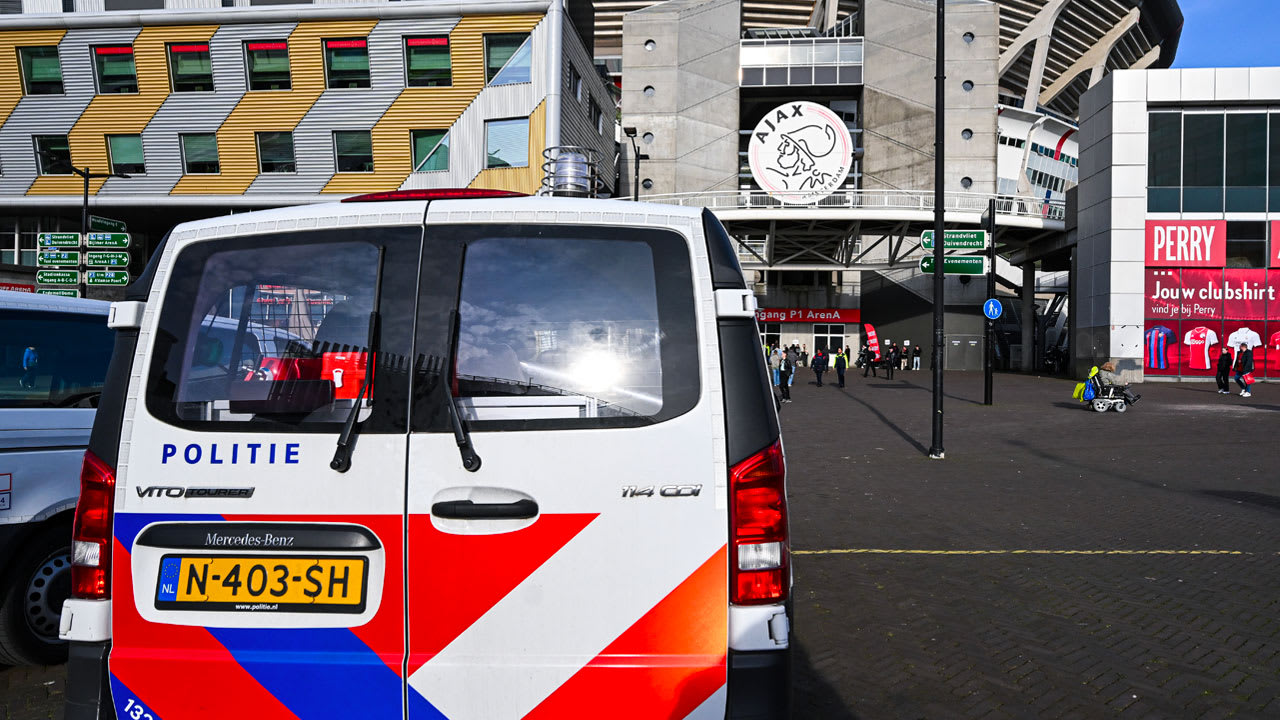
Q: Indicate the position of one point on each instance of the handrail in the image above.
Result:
(1009, 205)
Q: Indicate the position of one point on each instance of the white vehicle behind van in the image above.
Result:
(53, 359)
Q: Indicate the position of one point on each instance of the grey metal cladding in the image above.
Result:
(576, 126)
(197, 112)
(348, 108)
(53, 114)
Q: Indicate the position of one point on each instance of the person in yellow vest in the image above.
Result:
(841, 364)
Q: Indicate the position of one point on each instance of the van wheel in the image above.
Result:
(32, 602)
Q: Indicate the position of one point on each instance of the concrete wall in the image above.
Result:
(898, 97)
(692, 107)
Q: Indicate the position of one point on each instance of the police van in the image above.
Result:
(464, 456)
(53, 359)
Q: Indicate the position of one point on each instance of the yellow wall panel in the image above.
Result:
(271, 110)
(10, 73)
(526, 179)
(121, 114)
(431, 108)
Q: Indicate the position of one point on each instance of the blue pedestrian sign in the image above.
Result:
(992, 309)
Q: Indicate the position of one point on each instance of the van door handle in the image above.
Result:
(467, 510)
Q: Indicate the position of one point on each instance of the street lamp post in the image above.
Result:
(630, 132)
(86, 175)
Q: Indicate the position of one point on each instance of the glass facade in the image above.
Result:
(1213, 161)
(267, 63)
(353, 150)
(190, 69)
(200, 154)
(508, 58)
(346, 63)
(41, 70)
(427, 62)
(115, 70)
(125, 152)
(275, 152)
(430, 150)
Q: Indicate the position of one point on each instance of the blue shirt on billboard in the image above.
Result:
(1157, 347)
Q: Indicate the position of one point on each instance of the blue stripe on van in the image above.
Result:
(128, 525)
(322, 673)
(127, 703)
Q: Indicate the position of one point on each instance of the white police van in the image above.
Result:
(53, 359)
(501, 458)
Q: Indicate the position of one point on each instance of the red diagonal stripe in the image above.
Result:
(455, 579)
(665, 665)
(180, 671)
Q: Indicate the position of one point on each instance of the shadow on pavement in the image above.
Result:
(812, 697)
(888, 423)
(1270, 502)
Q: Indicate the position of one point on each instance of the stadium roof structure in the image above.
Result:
(1051, 51)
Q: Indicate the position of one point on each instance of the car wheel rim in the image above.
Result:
(47, 588)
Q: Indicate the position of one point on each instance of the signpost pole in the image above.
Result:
(939, 232)
(989, 352)
(84, 234)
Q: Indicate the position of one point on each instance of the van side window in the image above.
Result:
(562, 327)
(52, 359)
(275, 332)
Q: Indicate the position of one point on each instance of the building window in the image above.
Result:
(353, 150)
(275, 152)
(427, 62)
(346, 63)
(575, 82)
(1274, 165)
(507, 143)
(508, 58)
(1202, 162)
(268, 65)
(597, 119)
(200, 154)
(190, 69)
(1164, 162)
(53, 154)
(115, 70)
(430, 150)
(124, 152)
(1246, 157)
(41, 70)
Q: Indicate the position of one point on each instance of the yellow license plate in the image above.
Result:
(262, 583)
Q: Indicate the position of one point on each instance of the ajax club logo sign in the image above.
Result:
(800, 152)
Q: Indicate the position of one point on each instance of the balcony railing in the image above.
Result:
(906, 200)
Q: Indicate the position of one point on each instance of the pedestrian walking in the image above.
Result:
(786, 372)
(1224, 371)
(869, 361)
(804, 356)
(30, 362)
(819, 365)
(775, 363)
(915, 357)
(842, 363)
(895, 356)
(1244, 369)
(793, 354)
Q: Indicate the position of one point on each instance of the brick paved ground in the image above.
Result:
(886, 635)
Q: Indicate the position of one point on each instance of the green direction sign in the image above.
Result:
(956, 265)
(58, 258)
(107, 258)
(58, 277)
(108, 240)
(103, 224)
(61, 292)
(58, 240)
(107, 277)
(956, 240)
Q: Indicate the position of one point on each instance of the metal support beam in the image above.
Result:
(1094, 61)
(1028, 316)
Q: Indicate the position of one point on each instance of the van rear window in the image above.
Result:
(52, 359)
(574, 327)
(274, 332)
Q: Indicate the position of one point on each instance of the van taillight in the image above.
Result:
(759, 549)
(91, 533)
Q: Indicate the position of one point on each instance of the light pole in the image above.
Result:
(939, 233)
(630, 132)
(86, 175)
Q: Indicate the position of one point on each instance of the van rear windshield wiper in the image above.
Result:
(341, 461)
(470, 460)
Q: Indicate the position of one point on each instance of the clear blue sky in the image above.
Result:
(1229, 33)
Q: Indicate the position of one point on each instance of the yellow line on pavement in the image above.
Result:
(886, 551)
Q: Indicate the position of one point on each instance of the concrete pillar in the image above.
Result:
(1028, 316)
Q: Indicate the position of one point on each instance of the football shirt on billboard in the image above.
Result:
(1200, 340)
(1158, 339)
